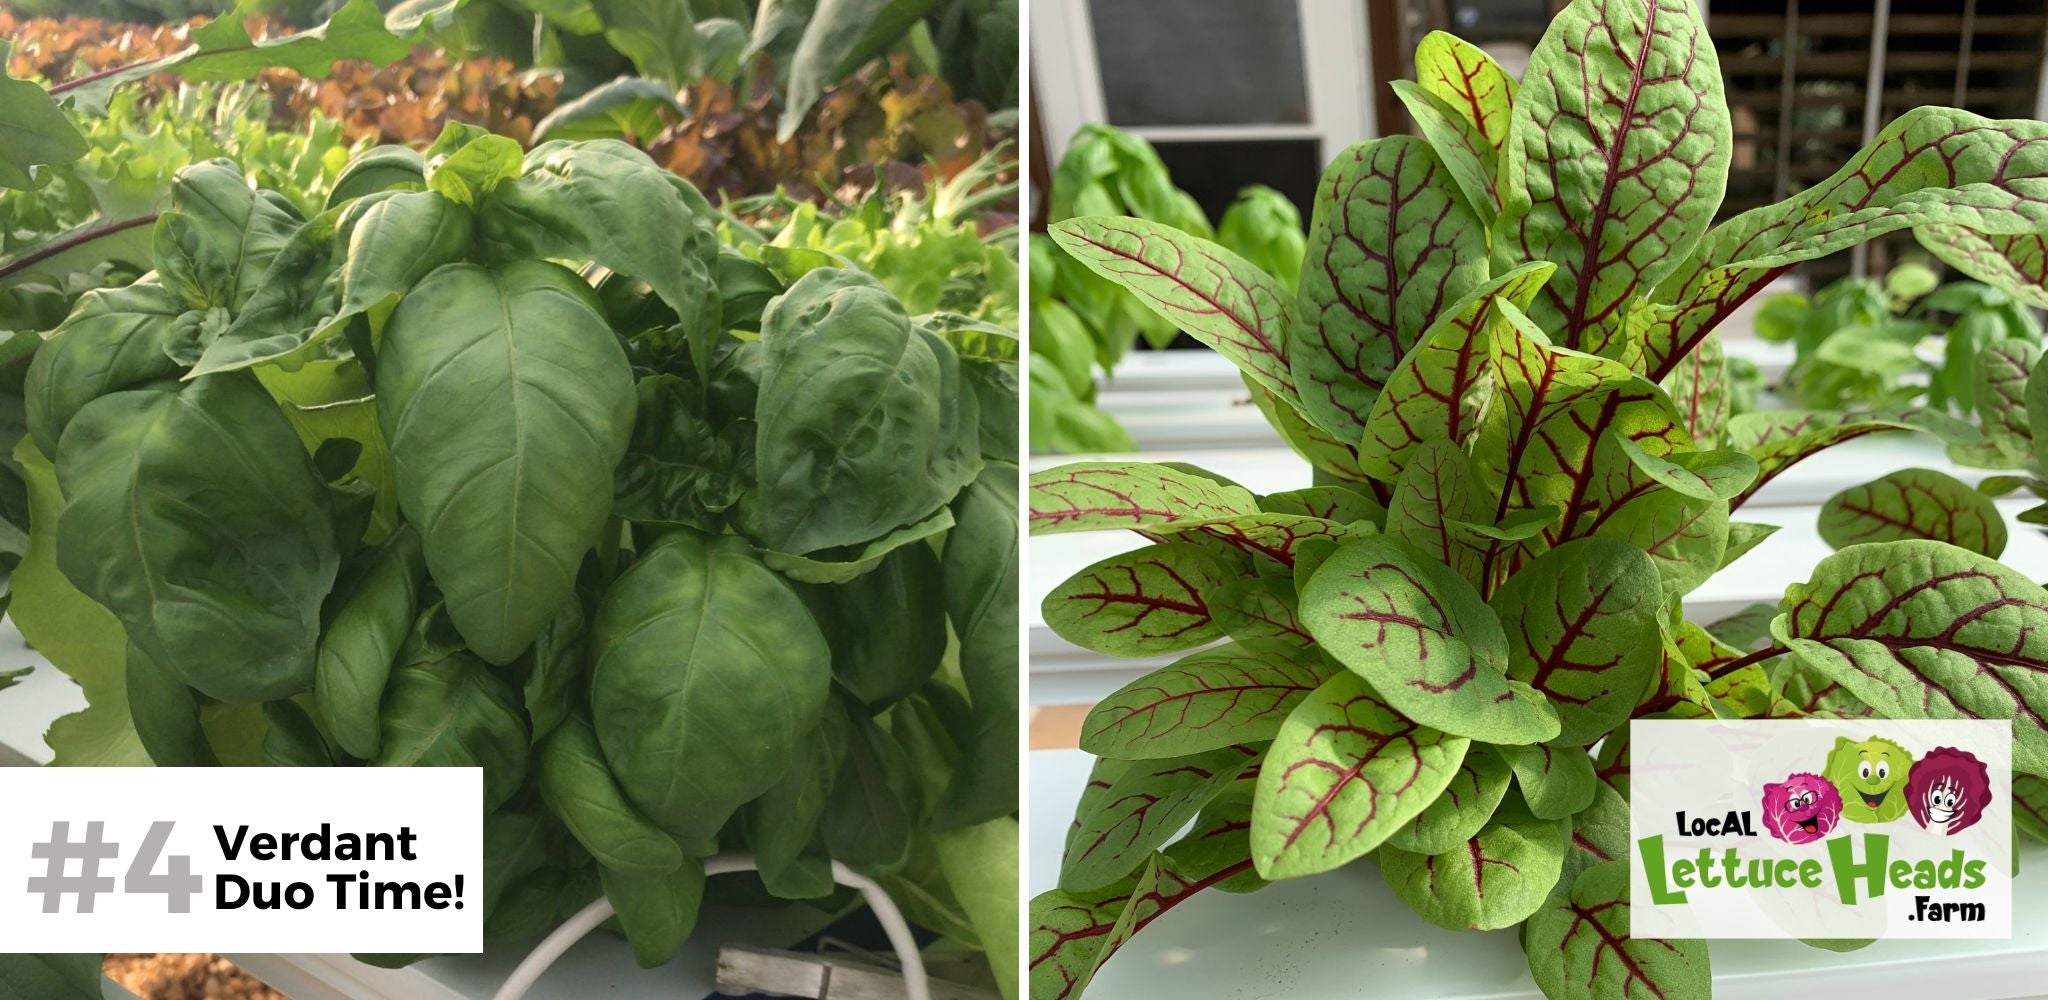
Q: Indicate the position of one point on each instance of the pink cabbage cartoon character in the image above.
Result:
(1947, 790)
(1802, 808)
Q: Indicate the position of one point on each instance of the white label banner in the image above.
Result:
(241, 859)
(1816, 828)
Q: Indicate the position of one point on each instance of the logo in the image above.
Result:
(1821, 828)
(1944, 791)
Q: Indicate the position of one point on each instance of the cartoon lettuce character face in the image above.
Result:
(1802, 808)
(1871, 776)
(1947, 790)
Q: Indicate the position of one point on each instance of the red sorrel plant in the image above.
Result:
(1501, 361)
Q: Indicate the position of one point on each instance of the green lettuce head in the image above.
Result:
(1872, 778)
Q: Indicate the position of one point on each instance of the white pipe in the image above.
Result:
(556, 944)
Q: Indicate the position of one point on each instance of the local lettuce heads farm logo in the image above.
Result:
(1806, 826)
(1877, 781)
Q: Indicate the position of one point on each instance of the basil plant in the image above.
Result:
(502, 460)
(1501, 360)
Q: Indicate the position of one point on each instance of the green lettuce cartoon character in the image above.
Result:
(1872, 778)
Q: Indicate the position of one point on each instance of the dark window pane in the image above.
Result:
(1200, 62)
(1213, 172)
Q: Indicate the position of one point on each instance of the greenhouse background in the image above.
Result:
(1185, 113)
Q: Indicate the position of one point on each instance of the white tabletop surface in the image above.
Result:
(1343, 935)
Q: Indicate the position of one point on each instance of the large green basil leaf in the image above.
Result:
(219, 236)
(1923, 629)
(656, 913)
(605, 201)
(887, 637)
(703, 654)
(1425, 640)
(199, 521)
(1617, 159)
(979, 568)
(578, 787)
(864, 422)
(507, 403)
(554, 668)
(115, 338)
(870, 817)
(362, 639)
(53, 976)
(680, 467)
(782, 825)
(452, 711)
(166, 714)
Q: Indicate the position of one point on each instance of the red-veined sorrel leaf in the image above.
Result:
(1425, 640)
(1779, 439)
(1467, 79)
(1466, 804)
(1073, 933)
(1090, 497)
(1493, 880)
(1436, 493)
(1441, 387)
(1471, 160)
(1811, 692)
(1749, 629)
(1217, 849)
(1611, 767)
(1578, 946)
(1699, 389)
(1556, 781)
(1533, 444)
(1391, 244)
(1331, 503)
(1518, 526)
(1998, 392)
(1582, 627)
(1599, 833)
(1260, 609)
(2030, 805)
(1677, 691)
(1539, 380)
(1204, 701)
(1703, 475)
(1599, 491)
(1219, 298)
(2016, 264)
(1914, 503)
(1618, 157)
(1345, 771)
(1268, 537)
(1131, 807)
(1144, 602)
(1743, 536)
(1326, 453)
(1925, 630)
(1929, 166)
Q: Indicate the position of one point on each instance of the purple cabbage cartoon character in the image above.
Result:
(1802, 808)
(1947, 790)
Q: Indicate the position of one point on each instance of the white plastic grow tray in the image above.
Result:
(601, 965)
(1065, 674)
(1343, 935)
